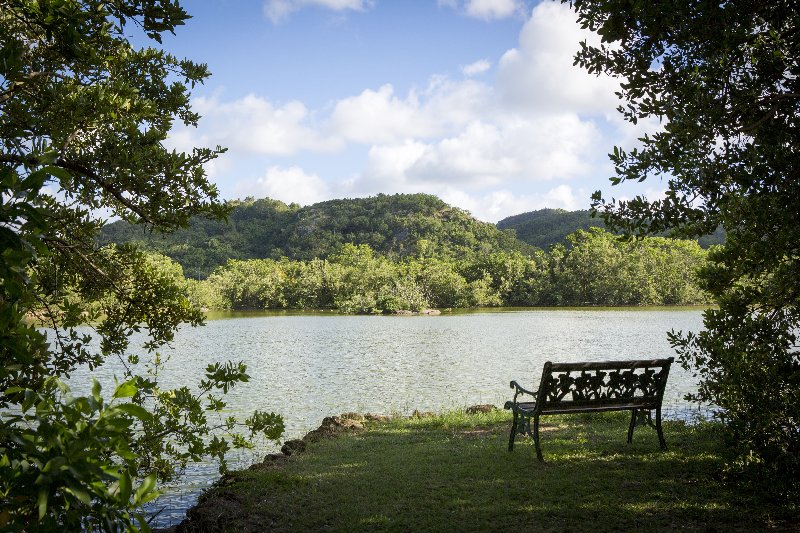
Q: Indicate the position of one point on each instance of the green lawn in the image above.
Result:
(453, 473)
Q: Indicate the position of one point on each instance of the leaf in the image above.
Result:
(80, 493)
(135, 410)
(5, 518)
(146, 489)
(54, 464)
(96, 390)
(42, 502)
(125, 390)
(125, 487)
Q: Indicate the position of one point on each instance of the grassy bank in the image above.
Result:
(452, 472)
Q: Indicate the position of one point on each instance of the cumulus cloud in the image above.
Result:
(478, 67)
(520, 154)
(539, 76)
(253, 125)
(279, 10)
(521, 141)
(289, 185)
(496, 205)
(380, 116)
(485, 9)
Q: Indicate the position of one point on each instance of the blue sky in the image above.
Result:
(475, 101)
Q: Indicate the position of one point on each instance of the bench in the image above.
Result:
(566, 388)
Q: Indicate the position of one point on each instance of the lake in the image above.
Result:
(308, 366)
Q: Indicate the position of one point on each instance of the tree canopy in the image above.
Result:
(545, 227)
(723, 78)
(588, 268)
(83, 117)
(396, 226)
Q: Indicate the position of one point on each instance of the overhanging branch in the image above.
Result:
(84, 171)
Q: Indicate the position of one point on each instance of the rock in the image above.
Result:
(272, 457)
(377, 418)
(272, 460)
(294, 446)
(430, 312)
(480, 408)
(333, 426)
(358, 417)
(422, 414)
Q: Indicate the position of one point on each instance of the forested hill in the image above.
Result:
(396, 226)
(545, 227)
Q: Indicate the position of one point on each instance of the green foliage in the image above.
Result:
(724, 79)
(597, 267)
(593, 268)
(51, 473)
(396, 226)
(83, 116)
(546, 227)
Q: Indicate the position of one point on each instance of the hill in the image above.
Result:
(396, 226)
(546, 227)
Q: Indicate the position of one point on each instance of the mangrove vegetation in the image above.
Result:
(590, 268)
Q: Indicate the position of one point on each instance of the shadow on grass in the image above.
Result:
(453, 473)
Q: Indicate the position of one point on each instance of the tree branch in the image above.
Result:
(84, 171)
(8, 93)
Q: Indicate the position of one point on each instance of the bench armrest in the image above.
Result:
(517, 391)
(521, 390)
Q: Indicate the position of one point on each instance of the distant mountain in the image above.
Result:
(546, 227)
(394, 225)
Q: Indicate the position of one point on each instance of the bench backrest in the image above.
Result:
(603, 384)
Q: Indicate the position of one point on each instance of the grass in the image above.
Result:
(452, 472)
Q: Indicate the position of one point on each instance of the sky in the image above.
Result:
(475, 101)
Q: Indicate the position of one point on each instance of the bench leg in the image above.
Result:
(513, 433)
(631, 426)
(661, 440)
(536, 437)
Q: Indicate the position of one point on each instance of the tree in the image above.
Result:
(83, 117)
(724, 80)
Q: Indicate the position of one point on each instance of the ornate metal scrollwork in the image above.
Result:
(600, 384)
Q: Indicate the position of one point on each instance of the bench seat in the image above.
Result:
(593, 387)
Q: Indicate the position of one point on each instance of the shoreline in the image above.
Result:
(221, 496)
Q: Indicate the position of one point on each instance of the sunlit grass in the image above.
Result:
(452, 472)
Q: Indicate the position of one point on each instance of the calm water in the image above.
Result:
(308, 366)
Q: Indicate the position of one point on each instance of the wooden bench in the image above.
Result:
(566, 388)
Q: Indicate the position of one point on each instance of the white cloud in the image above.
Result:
(498, 204)
(379, 116)
(253, 125)
(478, 67)
(491, 9)
(288, 185)
(485, 9)
(486, 154)
(279, 10)
(539, 75)
(389, 164)
(527, 139)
